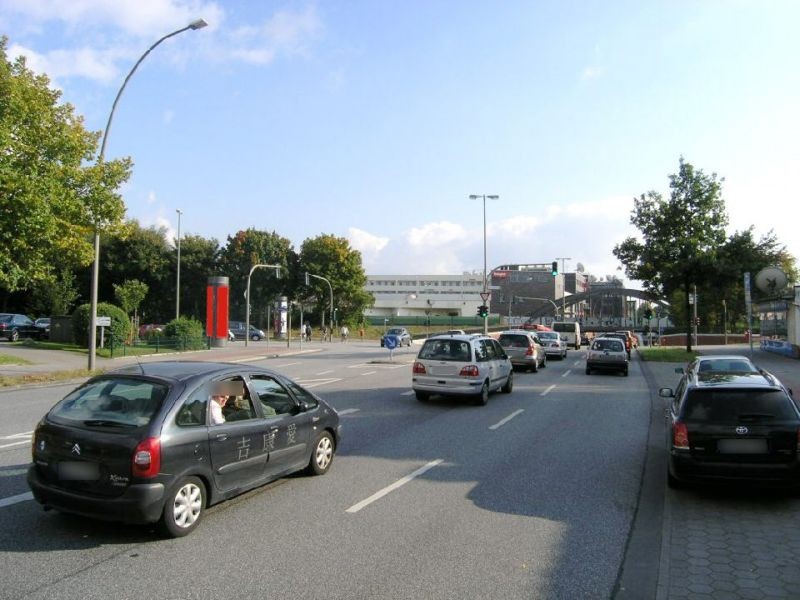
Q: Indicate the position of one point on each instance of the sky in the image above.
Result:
(376, 120)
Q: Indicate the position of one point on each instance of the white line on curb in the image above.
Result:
(507, 419)
(390, 488)
(15, 444)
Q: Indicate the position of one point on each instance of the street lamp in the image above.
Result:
(178, 280)
(197, 24)
(247, 297)
(484, 295)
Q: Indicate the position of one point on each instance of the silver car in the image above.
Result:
(524, 349)
(554, 344)
(461, 365)
(607, 354)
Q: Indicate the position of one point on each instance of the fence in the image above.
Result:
(157, 344)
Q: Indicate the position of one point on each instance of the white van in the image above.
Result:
(570, 332)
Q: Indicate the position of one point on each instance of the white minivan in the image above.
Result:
(570, 332)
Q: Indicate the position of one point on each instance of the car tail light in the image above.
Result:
(680, 436)
(147, 458)
(419, 369)
(469, 371)
(530, 351)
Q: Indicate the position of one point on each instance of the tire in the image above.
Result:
(255, 338)
(483, 397)
(14, 336)
(509, 386)
(422, 396)
(322, 454)
(184, 508)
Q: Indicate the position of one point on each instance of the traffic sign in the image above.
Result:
(485, 296)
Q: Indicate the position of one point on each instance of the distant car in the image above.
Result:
(461, 365)
(150, 328)
(523, 348)
(607, 354)
(140, 444)
(43, 324)
(238, 329)
(731, 427)
(401, 332)
(553, 344)
(14, 326)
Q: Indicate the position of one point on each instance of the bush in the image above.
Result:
(120, 329)
(186, 333)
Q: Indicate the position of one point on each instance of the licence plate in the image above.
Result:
(78, 471)
(749, 446)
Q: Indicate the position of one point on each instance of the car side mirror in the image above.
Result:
(666, 392)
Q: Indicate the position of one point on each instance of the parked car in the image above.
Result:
(401, 332)
(462, 365)
(14, 326)
(238, 329)
(728, 427)
(523, 348)
(553, 343)
(138, 444)
(43, 324)
(607, 354)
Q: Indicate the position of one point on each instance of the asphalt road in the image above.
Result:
(530, 496)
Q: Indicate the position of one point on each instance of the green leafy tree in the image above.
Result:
(130, 294)
(51, 196)
(198, 262)
(333, 258)
(680, 236)
(242, 251)
(119, 331)
(186, 333)
(55, 295)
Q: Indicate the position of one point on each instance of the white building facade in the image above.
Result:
(425, 295)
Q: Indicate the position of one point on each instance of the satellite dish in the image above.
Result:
(771, 280)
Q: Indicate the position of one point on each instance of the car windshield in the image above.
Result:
(727, 366)
(455, 350)
(112, 402)
(738, 406)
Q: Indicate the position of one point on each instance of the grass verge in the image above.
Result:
(667, 354)
(54, 377)
(8, 359)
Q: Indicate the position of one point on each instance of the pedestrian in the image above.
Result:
(361, 333)
(345, 332)
(308, 331)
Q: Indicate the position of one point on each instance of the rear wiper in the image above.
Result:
(105, 423)
(755, 416)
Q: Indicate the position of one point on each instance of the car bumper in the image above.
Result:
(140, 503)
(460, 387)
(610, 366)
(688, 469)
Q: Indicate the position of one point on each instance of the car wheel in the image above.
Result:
(483, 397)
(14, 335)
(509, 386)
(322, 455)
(254, 337)
(184, 508)
(422, 396)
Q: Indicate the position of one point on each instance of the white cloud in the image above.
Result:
(514, 227)
(365, 242)
(286, 32)
(151, 197)
(442, 233)
(592, 72)
(80, 62)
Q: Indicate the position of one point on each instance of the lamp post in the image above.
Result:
(178, 279)
(484, 296)
(247, 297)
(197, 24)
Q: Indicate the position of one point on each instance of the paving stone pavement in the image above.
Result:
(730, 543)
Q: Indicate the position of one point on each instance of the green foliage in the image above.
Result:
(50, 199)
(130, 294)
(120, 328)
(54, 295)
(184, 330)
(198, 262)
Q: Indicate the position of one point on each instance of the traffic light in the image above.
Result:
(554, 268)
(483, 311)
(648, 313)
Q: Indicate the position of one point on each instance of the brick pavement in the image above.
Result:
(730, 543)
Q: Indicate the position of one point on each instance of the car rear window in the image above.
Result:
(612, 345)
(455, 350)
(736, 406)
(514, 341)
(112, 402)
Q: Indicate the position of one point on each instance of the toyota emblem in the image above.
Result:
(741, 430)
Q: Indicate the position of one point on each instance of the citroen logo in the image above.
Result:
(76, 449)
(741, 430)
(41, 445)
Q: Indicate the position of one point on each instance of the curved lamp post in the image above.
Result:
(198, 24)
(485, 277)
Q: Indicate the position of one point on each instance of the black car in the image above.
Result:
(732, 427)
(139, 445)
(13, 327)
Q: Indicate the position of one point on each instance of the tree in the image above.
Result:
(198, 262)
(51, 201)
(55, 295)
(680, 236)
(129, 295)
(333, 258)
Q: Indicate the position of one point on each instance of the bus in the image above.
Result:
(570, 332)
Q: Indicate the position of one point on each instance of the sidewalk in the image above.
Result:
(727, 543)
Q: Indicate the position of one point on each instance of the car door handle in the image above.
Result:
(221, 437)
(314, 419)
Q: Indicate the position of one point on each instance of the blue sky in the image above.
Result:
(376, 120)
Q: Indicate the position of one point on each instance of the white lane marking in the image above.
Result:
(576, 363)
(507, 419)
(348, 411)
(567, 372)
(15, 499)
(15, 444)
(15, 436)
(369, 373)
(358, 366)
(285, 365)
(310, 383)
(390, 488)
(548, 390)
(325, 372)
(408, 393)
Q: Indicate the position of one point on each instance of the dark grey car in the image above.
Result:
(139, 444)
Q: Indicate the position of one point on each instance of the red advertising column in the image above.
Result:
(217, 311)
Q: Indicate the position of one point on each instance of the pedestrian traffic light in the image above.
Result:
(554, 268)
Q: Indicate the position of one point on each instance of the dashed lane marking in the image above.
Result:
(548, 390)
(390, 488)
(507, 419)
